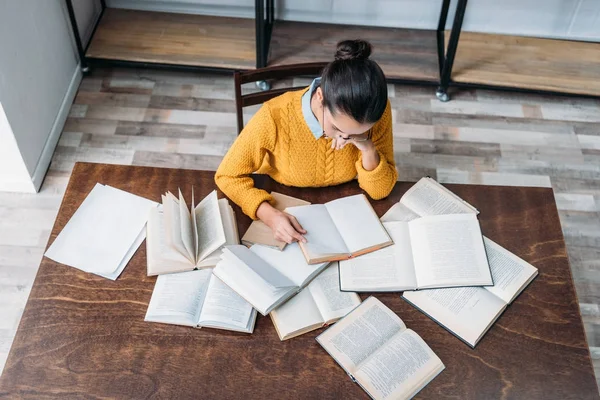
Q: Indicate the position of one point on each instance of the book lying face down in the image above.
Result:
(264, 276)
(340, 229)
(182, 239)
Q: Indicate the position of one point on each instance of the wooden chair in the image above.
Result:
(268, 73)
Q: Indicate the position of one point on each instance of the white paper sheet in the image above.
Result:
(103, 233)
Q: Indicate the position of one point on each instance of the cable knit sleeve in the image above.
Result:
(379, 182)
(245, 157)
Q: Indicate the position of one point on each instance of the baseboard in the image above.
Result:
(59, 122)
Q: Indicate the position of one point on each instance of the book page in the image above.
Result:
(360, 334)
(389, 269)
(448, 251)
(322, 236)
(178, 298)
(400, 369)
(173, 225)
(399, 212)
(231, 234)
(297, 314)
(194, 226)
(100, 235)
(332, 303)
(248, 284)
(428, 197)
(162, 258)
(224, 307)
(290, 262)
(211, 234)
(263, 267)
(187, 232)
(468, 312)
(510, 273)
(357, 223)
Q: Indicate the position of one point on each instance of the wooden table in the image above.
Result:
(83, 336)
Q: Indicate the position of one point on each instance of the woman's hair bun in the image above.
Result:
(353, 50)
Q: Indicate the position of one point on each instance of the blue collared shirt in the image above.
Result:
(309, 117)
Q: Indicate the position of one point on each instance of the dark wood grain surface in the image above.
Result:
(83, 336)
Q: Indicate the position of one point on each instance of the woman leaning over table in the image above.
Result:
(337, 129)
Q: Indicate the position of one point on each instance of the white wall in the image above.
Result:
(86, 13)
(39, 76)
(565, 19)
(13, 172)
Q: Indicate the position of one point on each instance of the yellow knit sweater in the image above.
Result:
(278, 142)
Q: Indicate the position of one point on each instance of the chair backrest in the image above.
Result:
(264, 74)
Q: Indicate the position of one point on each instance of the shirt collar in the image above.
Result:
(309, 117)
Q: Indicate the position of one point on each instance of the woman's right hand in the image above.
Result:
(285, 227)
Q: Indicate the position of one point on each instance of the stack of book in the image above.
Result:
(429, 246)
(459, 294)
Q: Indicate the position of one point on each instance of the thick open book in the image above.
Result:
(375, 348)
(264, 276)
(470, 312)
(199, 299)
(319, 304)
(340, 229)
(259, 233)
(181, 239)
(428, 252)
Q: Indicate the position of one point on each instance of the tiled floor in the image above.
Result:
(181, 120)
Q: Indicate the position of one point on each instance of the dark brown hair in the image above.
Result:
(353, 84)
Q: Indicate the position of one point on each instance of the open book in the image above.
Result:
(319, 304)
(427, 197)
(199, 299)
(260, 233)
(375, 348)
(340, 229)
(264, 276)
(181, 239)
(428, 252)
(470, 312)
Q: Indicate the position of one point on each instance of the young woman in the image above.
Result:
(338, 129)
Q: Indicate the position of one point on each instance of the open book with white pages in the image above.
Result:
(466, 312)
(340, 229)
(469, 312)
(199, 299)
(183, 239)
(392, 269)
(319, 304)
(428, 252)
(266, 277)
(375, 348)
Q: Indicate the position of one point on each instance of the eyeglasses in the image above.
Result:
(349, 137)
